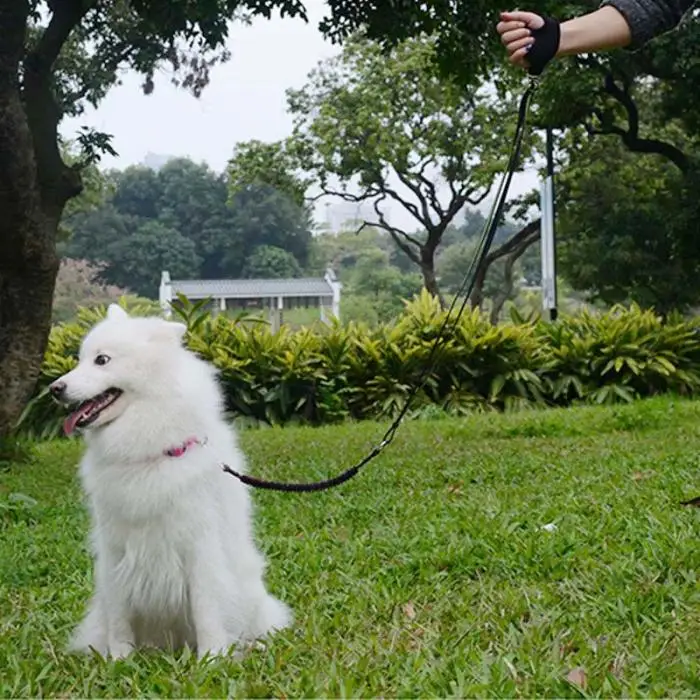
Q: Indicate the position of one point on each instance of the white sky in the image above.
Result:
(245, 100)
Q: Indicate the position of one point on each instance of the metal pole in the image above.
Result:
(548, 238)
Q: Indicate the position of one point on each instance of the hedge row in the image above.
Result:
(327, 374)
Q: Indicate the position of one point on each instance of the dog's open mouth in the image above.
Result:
(88, 411)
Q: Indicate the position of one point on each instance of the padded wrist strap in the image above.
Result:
(545, 46)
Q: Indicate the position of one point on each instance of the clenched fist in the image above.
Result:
(516, 29)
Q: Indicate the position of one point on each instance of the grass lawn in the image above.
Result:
(431, 574)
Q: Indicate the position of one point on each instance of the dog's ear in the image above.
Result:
(115, 312)
(174, 331)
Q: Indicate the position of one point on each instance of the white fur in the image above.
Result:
(175, 558)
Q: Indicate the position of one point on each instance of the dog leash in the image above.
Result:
(544, 48)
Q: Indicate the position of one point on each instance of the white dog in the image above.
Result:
(175, 558)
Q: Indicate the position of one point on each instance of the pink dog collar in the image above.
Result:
(181, 449)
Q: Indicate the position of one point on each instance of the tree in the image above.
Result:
(187, 204)
(97, 187)
(138, 192)
(258, 164)
(378, 286)
(497, 279)
(264, 216)
(94, 231)
(342, 250)
(136, 261)
(271, 262)
(55, 57)
(629, 227)
(388, 129)
(193, 201)
(608, 94)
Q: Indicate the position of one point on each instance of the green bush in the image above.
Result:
(354, 371)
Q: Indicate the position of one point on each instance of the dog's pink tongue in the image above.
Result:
(72, 420)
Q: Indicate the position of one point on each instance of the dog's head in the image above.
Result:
(122, 359)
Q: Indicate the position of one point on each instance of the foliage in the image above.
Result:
(485, 557)
(389, 129)
(333, 373)
(271, 262)
(180, 219)
(138, 260)
(262, 215)
(628, 227)
(97, 188)
(619, 355)
(76, 285)
(454, 262)
(256, 163)
(574, 90)
(192, 200)
(375, 283)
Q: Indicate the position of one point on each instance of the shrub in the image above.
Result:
(354, 371)
(623, 354)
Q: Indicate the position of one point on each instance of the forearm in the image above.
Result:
(603, 29)
(621, 23)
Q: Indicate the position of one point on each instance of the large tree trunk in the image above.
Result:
(34, 187)
(26, 293)
(28, 264)
(27, 257)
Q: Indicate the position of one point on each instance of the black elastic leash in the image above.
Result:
(542, 51)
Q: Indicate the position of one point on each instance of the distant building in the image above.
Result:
(275, 295)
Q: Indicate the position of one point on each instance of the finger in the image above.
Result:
(517, 58)
(503, 27)
(515, 35)
(529, 18)
(520, 44)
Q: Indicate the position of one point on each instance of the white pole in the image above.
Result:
(547, 237)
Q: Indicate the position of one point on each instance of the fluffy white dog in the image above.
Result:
(175, 558)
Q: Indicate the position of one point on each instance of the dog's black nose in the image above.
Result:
(57, 389)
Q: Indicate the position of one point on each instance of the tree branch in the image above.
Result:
(13, 20)
(517, 243)
(630, 136)
(109, 66)
(57, 181)
(424, 216)
(395, 233)
(516, 252)
(383, 223)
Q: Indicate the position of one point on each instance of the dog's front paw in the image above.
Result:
(212, 652)
(120, 650)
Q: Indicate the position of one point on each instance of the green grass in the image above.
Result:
(428, 575)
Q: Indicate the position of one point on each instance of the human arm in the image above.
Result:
(616, 24)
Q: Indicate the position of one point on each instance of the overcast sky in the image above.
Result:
(245, 100)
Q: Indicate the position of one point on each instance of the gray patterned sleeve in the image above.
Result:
(649, 18)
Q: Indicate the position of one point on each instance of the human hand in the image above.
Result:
(515, 29)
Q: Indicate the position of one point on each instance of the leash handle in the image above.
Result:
(545, 47)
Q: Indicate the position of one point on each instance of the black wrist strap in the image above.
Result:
(545, 46)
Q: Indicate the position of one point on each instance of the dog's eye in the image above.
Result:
(101, 360)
